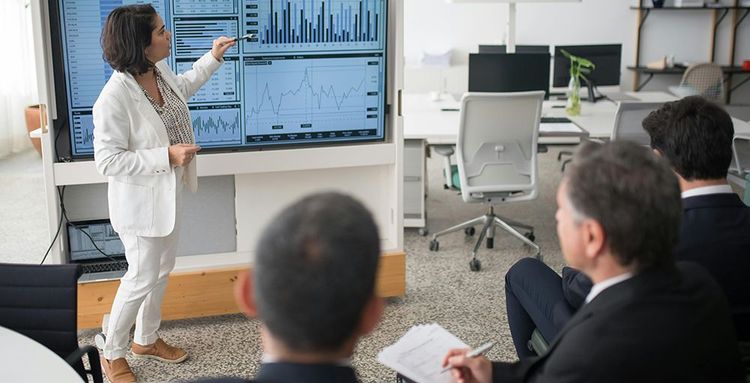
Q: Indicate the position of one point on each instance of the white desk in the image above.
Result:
(24, 360)
(426, 123)
(425, 119)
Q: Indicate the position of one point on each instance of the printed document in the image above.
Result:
(417, 355)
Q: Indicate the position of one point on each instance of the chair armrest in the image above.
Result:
(93, 355)
(741, 154)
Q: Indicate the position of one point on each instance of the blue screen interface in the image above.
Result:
(314, 72)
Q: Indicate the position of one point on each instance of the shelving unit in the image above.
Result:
(248, 187)
(719, 14)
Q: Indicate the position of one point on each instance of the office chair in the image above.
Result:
(628, 121)
(705, 79)
(496, 156)
(449, 170)
(41, 302)
(741, 152)
(627, 126)
(741, 163)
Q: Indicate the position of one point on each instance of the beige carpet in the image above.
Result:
(440, 287)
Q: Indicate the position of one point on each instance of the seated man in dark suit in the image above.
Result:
(695, 136)
(313, 288)
(645, 318)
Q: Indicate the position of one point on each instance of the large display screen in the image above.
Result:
(314, 73)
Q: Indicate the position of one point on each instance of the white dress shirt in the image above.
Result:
(704, 190)
(267, 358)
(597, 288)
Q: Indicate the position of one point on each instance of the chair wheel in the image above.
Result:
(475, 265)
(423, 231)
(470, 231)
(490, 243)
(530, 236)
(434, 245)
(446, 187)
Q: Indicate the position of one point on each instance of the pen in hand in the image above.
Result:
(474, 353)
(245, 37)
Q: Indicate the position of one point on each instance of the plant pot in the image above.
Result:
(36, 117)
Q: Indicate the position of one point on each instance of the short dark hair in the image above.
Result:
(315, 270)
(125, 36)
(633, 194)
(695, 135)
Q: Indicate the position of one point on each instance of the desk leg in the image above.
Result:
(415, 185)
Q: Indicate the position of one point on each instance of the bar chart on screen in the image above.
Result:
(195, 35)
(314, 25)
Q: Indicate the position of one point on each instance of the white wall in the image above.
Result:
(434, 25)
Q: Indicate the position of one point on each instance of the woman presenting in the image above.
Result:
(144, 144)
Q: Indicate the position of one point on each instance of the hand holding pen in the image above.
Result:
(223, 43)
(469, 366)
(246, 37)
(220, 46)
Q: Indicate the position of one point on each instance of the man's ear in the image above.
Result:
(371, 315)
(594, 239)
(243, 294)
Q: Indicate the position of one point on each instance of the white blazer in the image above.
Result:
(130, 148)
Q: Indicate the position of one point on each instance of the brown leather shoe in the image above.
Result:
(160, 350)
(117, 371)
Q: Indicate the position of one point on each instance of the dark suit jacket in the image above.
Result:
(296, 373)
(659, 326)
(716, 234)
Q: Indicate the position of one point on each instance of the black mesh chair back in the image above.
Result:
(41, 302)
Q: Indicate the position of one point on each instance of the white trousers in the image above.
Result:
(139, 297)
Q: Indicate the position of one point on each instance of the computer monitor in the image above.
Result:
(509, 72)
(314, 74)
(81, 248)
(606, 58)
(519, 49)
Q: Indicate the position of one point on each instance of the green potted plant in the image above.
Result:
(579, 68)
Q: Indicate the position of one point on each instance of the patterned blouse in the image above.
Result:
(174, 113)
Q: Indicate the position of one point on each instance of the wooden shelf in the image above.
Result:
(253, 162)
(737, 14)
(681, 70)
(210, 292)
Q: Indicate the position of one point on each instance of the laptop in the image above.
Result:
(95, 265)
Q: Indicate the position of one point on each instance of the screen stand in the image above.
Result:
(592, 97)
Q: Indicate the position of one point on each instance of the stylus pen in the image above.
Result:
(474, 353)
(245, 37)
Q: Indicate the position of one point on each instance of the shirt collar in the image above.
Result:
(703, 190)
(603, 285)
(267, 358)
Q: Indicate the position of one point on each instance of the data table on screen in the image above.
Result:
(224, 85)
(82, 123)
(204, 7)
